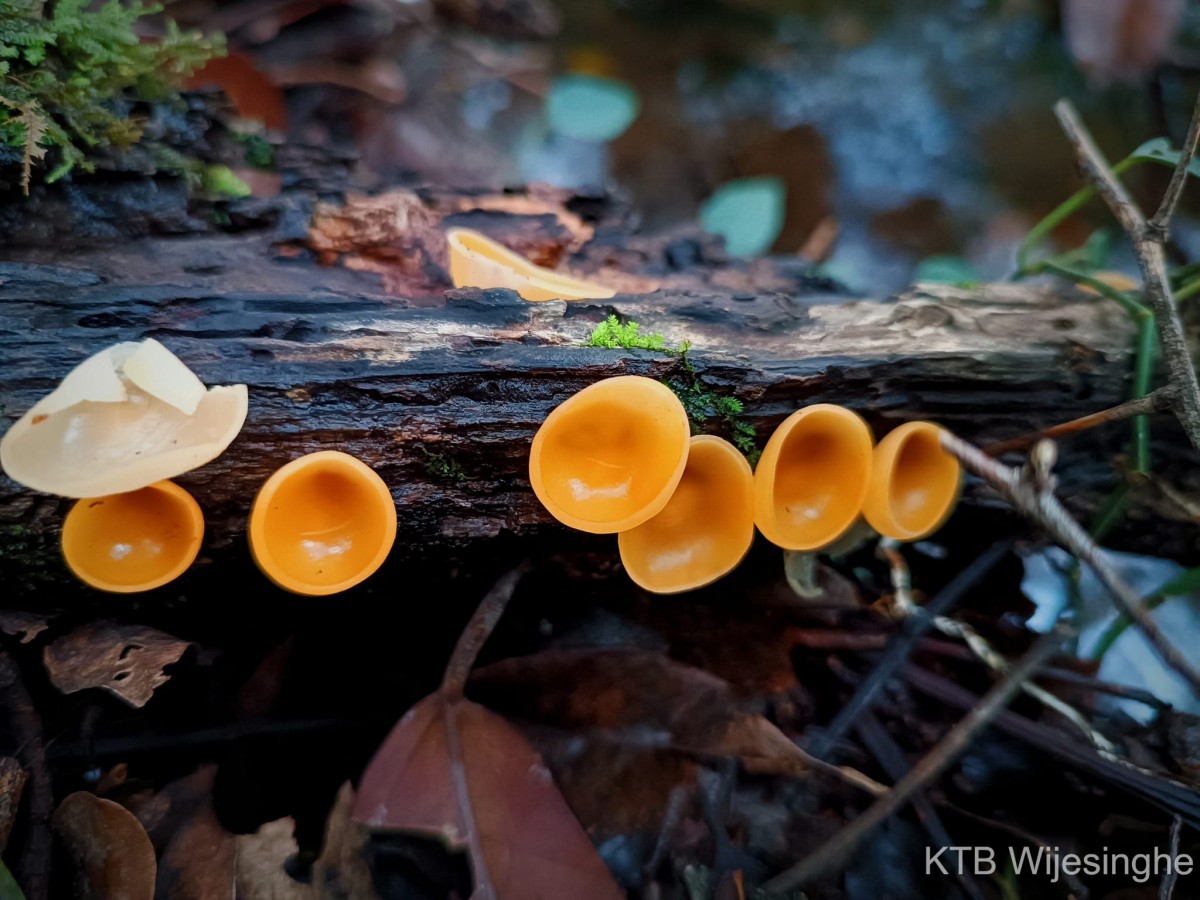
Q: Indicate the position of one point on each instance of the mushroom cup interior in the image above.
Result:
(924, 482)
(134, 541)
(608, 458)
(322, 524)
(812, 478)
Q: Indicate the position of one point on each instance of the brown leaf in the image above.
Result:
(12, 783)
(24, 626)
(260, 860)
(198, 861)
(609, 688)
(1121, 40)
(341, 871)
(452, 769)
(125, 660)
(110, 847)
(252, 93)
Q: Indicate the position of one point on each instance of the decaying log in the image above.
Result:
(377, 356)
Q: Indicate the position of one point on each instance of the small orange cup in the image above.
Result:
(811, 479)
(322, 523)
(609, 457)
(705, 529)
(137, 541)
(914, 483)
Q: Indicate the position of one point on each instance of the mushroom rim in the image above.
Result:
(361, 474)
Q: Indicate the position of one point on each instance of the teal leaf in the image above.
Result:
(945, 269)
(591, 108)
(1159, 150)
(747, 212)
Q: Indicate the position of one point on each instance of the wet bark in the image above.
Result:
(425, 382)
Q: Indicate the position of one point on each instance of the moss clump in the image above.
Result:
(68, 74)
(443, 467)
(611, 334)
(703, 404)
(700, 401)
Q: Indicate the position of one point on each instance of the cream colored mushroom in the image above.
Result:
(127, 417)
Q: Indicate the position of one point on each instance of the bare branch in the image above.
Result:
(836, 852)
(1147, 245)
(1159, 227)
(1156, 402)
(1036, 501)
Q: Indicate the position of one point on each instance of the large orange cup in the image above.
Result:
(812, 477)
(914, 483)
(322, 523)
(609, 457)
(705, 529)
(137, 541)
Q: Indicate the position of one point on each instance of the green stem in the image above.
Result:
(1119, 624)
(1188, 290)
(1143, 373)
(1057, 216)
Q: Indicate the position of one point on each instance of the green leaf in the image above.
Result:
(590, 108)
(9, 889)
(946, 270)
(1159, 150)
(747, 212)
(1186, 582)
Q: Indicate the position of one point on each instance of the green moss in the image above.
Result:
(611, 334)
(256, 150)
(67, 72)
(443, 467)
(220, 181)
(702, 403)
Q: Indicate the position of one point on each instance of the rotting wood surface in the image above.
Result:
(376, 356)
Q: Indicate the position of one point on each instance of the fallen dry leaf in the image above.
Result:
(260, 864)
(125, 660)
(12, 784)
(113, 854)
(1121, 40)
(198, 861)
(453, 770)
(341, 871)
(24, 626)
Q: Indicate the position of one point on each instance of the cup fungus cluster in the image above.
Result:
(130, 418)
(618, 458)
(478, 261)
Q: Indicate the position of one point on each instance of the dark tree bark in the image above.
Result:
(393, 366)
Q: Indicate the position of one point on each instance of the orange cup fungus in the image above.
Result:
(705, 529)
(811, 479)
(608, 458)
(478, 261)
(134, 541)
(322, 523)
(914, 483)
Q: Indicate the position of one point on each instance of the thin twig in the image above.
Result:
(34, 871)
(1171, 795)
(902, 647)
(1166, 889)
(1158, 228)
(1148, 242)
(891, 758)
(836, 852)
(1032, 497)
(1156, 402)
(478, 630)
